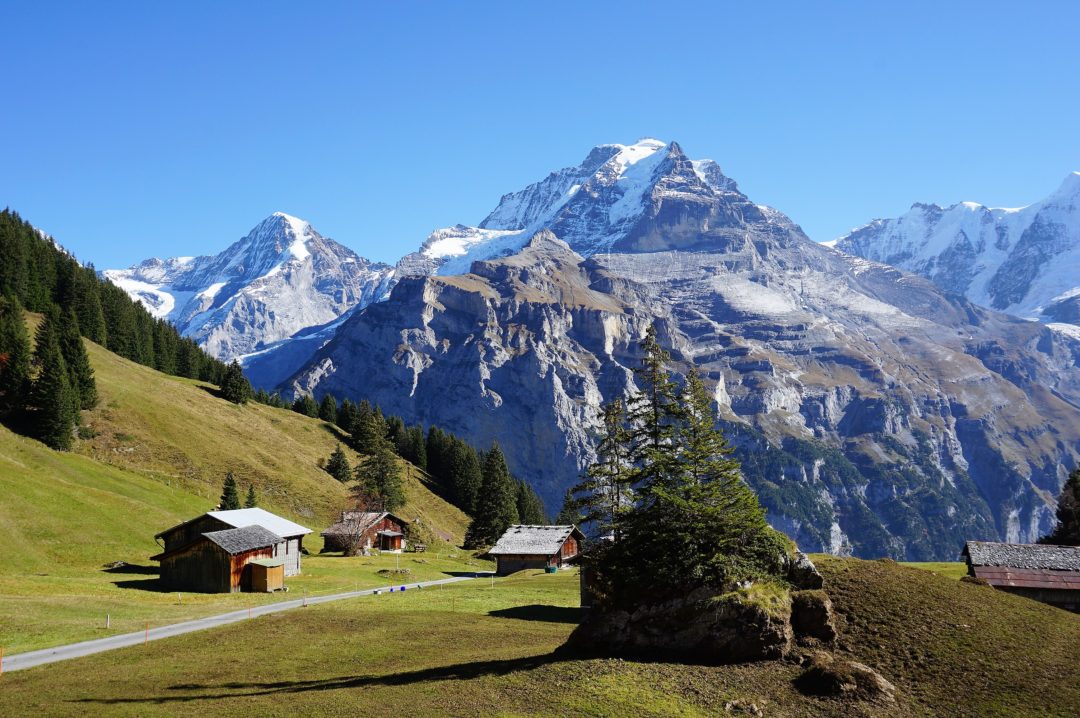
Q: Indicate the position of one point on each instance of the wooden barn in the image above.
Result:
(523, 547)
(219, 561)
(369, 529)
(1050, 574)
(289, 549)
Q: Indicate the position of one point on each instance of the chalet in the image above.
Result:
(366, 529)
(227, 561)
(523, 547)
(288, 549)
(1050, 574)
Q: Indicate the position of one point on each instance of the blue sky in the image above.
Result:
(138, 129)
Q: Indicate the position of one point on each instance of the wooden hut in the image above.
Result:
(372, 529)
(523, 547)
(217, 561)
(292, 534)
(1046, 573)
(267, 575)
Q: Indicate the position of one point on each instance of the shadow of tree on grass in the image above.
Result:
(539, 612)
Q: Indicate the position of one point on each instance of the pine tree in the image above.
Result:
(51, 395)
(328, 409)
(570, 513)
(465, 475)
(530, 508)
(305, 405)
(652, 413)
(234, 385)
(496, 508)
(251, 501)
(1067, 530)
(338, 465)
(230, 500)
(606, 492)
(370, 434)
(80, 373)
(15, 357)
(412, 446)
(346, 415)
(379, 476)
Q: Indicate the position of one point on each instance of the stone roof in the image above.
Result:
(1027, 556)
(353, 522)
(248, 538)
(260, 517)
(534, 540)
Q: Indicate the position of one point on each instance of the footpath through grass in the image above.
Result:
(951, 648)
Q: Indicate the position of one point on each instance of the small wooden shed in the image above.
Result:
(268, 575)
(217, 561)
(523, 547)
(1044, 572)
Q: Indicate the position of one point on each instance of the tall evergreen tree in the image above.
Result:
(412, 446)
(465, 475)
(251, 501)
(652, 413)
(606, 492)
(234, 385)
(496, 508)
(15, 357)
(51, 395)
(570, 513)
(530, 508)
(328, 409)
(230, 500)
(379, 476)
(370, 434)
(305, 405)
(346, 415)
(80, 373)
(338, 465)
(1067, 530)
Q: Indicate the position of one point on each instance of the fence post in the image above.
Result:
(146, 636)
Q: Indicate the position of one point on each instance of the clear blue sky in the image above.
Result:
(145, 128)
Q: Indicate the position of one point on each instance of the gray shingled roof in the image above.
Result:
(532, 540)
(1018, 555)
(248, 538)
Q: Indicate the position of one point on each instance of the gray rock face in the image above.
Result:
(1022, 261)
(873, 413)
(282, 278)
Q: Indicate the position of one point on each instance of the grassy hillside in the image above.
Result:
(951, 648)
(161, 448)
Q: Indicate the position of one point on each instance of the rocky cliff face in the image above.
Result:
(283, 277)
(1022, 261)
(874, 414)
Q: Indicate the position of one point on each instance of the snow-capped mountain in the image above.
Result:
(283, 277)
(1022, 261)
(873, 412)
(593, 207)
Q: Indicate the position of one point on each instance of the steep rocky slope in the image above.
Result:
(283, 277)
(874, 413)
(1022, 261)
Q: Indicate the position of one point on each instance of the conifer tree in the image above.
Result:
(234, 385)
(379, 476)
(15, 357)
(251, 501)
(465, 475)
(305, 405)
(652, 413)
(606, 492)
(338, 465)
(370, 435)
(1067, 530)
(80, 373)
(51, 395)
(230, 500)
(530, 508)
(328, 409)
(346, 415)
(570, 513)
(496, 508)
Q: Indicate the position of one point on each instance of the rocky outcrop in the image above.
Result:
(828, 675)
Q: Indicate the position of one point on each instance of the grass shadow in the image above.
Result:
(454, 672)
(335, 431)
(468, 574)
(144, 584)
(540, 612)
(133, 568)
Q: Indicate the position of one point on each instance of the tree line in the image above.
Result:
(477, 482)
(45, 385)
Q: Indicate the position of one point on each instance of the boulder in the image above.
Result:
(802, 573)
(812, 617)
(827, 675)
